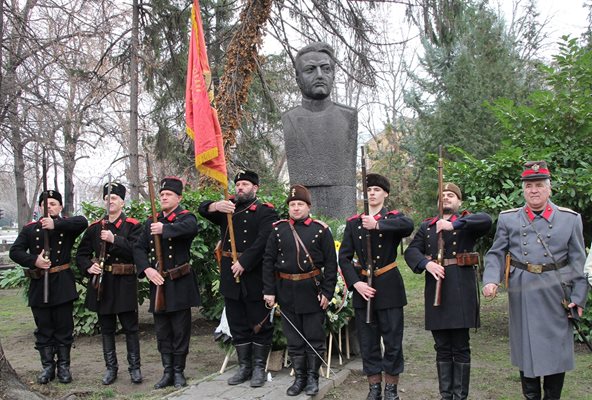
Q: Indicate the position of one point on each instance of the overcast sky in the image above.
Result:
(564, 16)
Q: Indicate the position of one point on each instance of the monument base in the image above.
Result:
(336, 202)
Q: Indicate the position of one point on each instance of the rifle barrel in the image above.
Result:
(159, 298)
(46, 248)
(438, 291)
(367, 236)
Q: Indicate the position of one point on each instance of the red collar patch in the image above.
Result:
(171, 217)
(253, 207)
(433, 220)
(546, 214)
(306, 222)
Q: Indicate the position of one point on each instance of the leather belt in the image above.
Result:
(229, 254)
(120, 269)
(177, 272)
(299, 277)
(380, 271)
(461, 260)
(538, 268)
(37, 273)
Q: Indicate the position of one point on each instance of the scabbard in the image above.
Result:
(507, 270)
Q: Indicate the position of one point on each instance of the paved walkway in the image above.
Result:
(215, 386)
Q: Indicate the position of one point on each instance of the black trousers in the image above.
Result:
(452, 345)
(388, 324)
(243, 316)
(173, 330)
(55, 325)
(128, 320)
(311, 326)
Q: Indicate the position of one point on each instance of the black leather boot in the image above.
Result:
(374, 387)
(179, 368)
(553, 385)
(299, 365)
(64, 375)
(167, 374)
(48, 364)
(110, 357)
(243, 353)
(260, 353)
(312, 379)
(133, 357)
(390, 387)
(460, 380)
(445, 374)
(531, 387)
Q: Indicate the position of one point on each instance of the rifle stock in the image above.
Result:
(368, 238)
(231, 235)
(440, 258)
(159, 298)
(46, 248)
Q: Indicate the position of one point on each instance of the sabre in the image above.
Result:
(302, 336)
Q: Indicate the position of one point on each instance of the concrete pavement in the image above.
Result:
(215, 386)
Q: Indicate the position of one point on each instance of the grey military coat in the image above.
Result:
(541, 338)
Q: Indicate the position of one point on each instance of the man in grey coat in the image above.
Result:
(539, 252)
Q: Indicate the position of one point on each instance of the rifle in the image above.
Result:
(367, 236)
(159, 299)
(440, 258)
(98, 279)
(46, 248)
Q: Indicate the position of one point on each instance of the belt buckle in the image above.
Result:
(534, 268)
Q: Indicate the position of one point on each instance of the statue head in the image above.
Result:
(315, 70)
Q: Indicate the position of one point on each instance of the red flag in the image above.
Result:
(200, 117)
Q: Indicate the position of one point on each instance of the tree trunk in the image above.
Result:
(241, 60)
(10, 385)
(134, 169)
(18, 148)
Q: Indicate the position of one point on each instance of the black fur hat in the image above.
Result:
(378, 180)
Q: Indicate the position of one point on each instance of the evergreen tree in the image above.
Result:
(469, 59)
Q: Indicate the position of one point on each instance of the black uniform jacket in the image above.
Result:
(393, 226)
(459, 306)
(29, 244)
(252, 222)
(281, 256)
(179, 230)
(119, 292)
